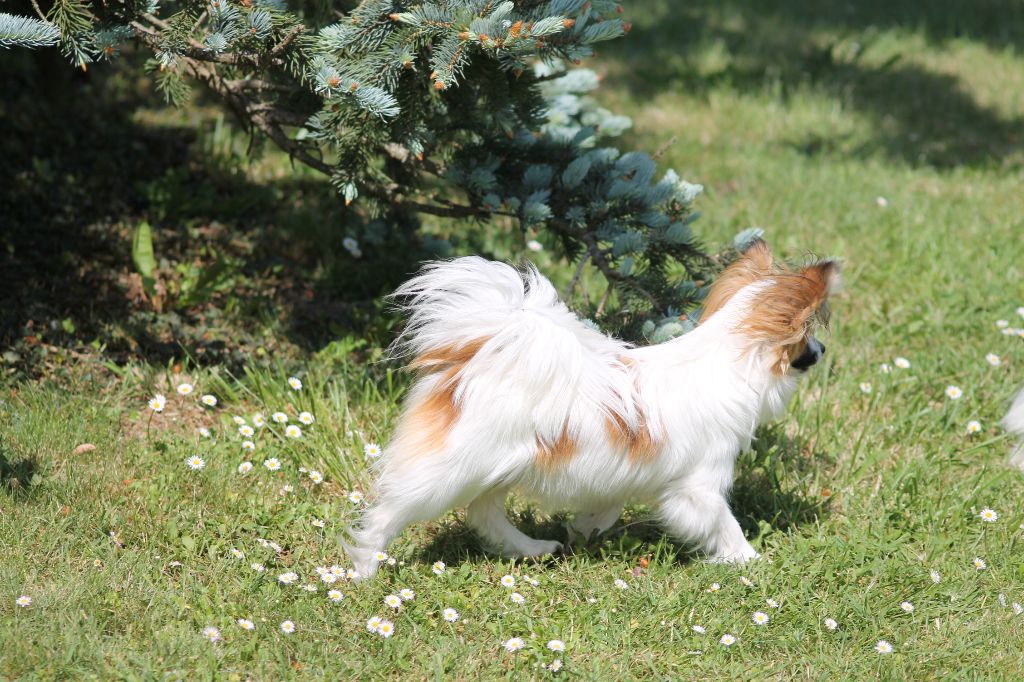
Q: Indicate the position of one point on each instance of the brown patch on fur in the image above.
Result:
(638, 443)
(755, 264)
(448, 355)
(427, 424)
(558, 453)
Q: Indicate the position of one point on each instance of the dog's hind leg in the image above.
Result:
(486, 515)
(585, 524)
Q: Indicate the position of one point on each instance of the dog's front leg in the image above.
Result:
(701, 517)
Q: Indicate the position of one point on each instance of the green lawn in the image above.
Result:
(871, 131)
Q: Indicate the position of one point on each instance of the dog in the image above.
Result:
(1013, 422)
(514, 392)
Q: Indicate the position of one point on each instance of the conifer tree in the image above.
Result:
(471, 109)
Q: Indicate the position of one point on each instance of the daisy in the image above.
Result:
(24, 601)
(316, 477)
(407, 594)
(157, 403)
(203, 431)
(760, 618)
(556, 645)
(310, 587)
(714, 587)
(907, 607)
(386, 629)
(1001, 598)
(533, 581)
(245, 430)
(1002, 324)
(621, 584)
(258, 421)
(935, 576)
(319, 523)
(350, 245)
(772, 603)
(380, 556)
(272, 464)
(993, 359)
(238, 420)
(534, 245)
(556, 665)
(727, 640)
(746, 581)
(259, 568)
(902, 363)
(1017, 608)
(209, 400)
(885, 368)
(988, 515)
(329, 578)
(883, 647)
(211, 633)
(288, 578)
(279, 417)
(508, 581)
(865, 387)
(248, 445)
(287, 488)
(831, 624)
(306, 418)
(293, 431)
(246, 624)
(195, 462)
(294, 383)
(185, 389)
(953, 392)
(973, 426)
(245, 467)
(373, 623)
(1020, 311)
(335, 595)
(514, 644)
(881, 202)
(394, 601)
(237, 553)
(517, 598)
(287, 627)
(98, 563)
(372, 450)
(438, 567)
(450, 615)
(699, 629)
(337, 571)
(355, 497)
(979, 564)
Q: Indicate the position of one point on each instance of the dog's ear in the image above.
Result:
(783, 312)
(755, 264)
(827, 273)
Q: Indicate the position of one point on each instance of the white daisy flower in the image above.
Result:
(350, 245)
(508, 581)
(157, 403)
(989, 515)
(355, 497)
(293, 431)
(380, 556)
(714, 587)
(238, 420)
(334, 595)
(831, 624)
(287, 488)
(258, 421)
(195, 462)
(979, 564)
(727, 640)
(248, 445)
(953, 392)
(907, 607)
(1002, 324)
(209, 400)
(881, 202)
(272, 463)
(287, 627)
(533, 581)
(329, 578)
(373, 623)
(514, 644)
(883, 647)
(772, 603)
(245, 467)
(621, 584)
(185, 389)
(556, 645)
(760, 618)
(407, 594)
(699, 629)
(450, 615)
(393, 601)
(935, 576)
(316, 477)
(438, 567)
(319, 523)
(294, 383)
(1020, 311)
(1017, 608)
(372, 450)
(310, 587)
(746, 581)
(336, 571)
(386, 629)
(279, 417)
(246, 624)
(259, 568)
(288, 578)
(211, 633)
(306, 418)
(993, 359)
(865, 387)
(534, 245)
(245, 430)
(885, 368)
(203, 431)
(24, 601)
(1001, 598)
(973, 426)
(556, 665)
(902, 363)
(237, 553)
(517, 598)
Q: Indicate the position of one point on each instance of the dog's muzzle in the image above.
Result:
(811, 356)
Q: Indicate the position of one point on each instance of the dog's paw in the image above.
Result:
(539, 548)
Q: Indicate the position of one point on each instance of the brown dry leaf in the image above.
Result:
(83, 448)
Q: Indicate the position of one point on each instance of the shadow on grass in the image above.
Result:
(16, 476)
(922, 117)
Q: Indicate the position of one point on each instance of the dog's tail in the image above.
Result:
(1014, 423)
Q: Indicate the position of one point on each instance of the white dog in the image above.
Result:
(515, 392)
(1014, 423)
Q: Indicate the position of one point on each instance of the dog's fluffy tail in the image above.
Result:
(1014, 423)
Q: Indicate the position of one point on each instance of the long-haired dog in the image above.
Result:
(1013, 422)
(515, 392)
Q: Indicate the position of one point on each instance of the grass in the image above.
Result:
(796, 122)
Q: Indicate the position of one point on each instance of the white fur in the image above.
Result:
(1014, 423)
(703, 394)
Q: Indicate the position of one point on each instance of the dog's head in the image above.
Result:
(775, 309)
